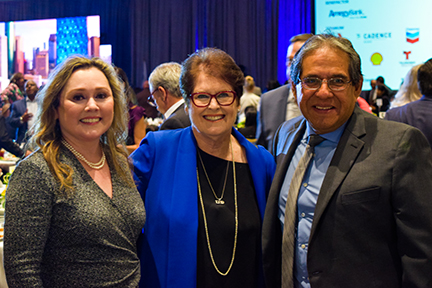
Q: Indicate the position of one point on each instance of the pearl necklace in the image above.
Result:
(235, 218)
(97, 165)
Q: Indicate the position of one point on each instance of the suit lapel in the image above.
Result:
(348, 149)
(283, 102)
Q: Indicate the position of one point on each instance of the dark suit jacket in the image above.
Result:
(6, 142)
(271, 114)
(18, 108)
(373, 220)
(178, 119)
(417, 114)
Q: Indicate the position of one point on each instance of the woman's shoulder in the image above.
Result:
(33, 166)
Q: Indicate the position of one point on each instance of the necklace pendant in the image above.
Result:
(219, 202)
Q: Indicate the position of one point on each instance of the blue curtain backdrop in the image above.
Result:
(145, 33)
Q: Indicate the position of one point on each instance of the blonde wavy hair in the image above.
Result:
(47, 133)
(409, 91)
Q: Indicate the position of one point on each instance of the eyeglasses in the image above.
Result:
(150, 99)
(223, 98)
(314, 83)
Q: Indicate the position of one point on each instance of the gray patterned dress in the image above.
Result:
(88, 240)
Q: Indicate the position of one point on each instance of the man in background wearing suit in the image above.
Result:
(22, 112)
(165, 91)
(278, 105)
(418, 113)
(363, 213)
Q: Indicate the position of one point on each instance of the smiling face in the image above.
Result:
(31, 89)
(326, 110)
(213, 121)
(86, 108)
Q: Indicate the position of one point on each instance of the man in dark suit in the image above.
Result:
(279, 104)
(22, 112)
(418, 113)
(165, 91)
(363, 214)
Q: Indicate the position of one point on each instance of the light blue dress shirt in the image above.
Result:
(308, 195)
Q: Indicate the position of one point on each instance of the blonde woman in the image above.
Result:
(409, 91)
(73, 215)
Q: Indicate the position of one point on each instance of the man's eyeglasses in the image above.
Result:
(150, 99)
(203, 99)
(314, 83)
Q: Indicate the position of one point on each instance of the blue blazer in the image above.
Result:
(165, 172)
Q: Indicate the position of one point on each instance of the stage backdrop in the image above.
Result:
(145, 33)
(390, 36)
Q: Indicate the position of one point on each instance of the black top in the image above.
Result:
(221, 226)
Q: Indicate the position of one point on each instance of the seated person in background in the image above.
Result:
(382, 102)
(248, 98)
(73, 214)
(272, 84)
(22, 111)
(363, 104)
(165, 91)
(6, 142)
(418, 113)
(15, 90)
(409, 91)
(249, 130)
(137, 124)
(142, 98)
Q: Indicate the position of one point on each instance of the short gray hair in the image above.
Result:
(327, 40)
(167, 75)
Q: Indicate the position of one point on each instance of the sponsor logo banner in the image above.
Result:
(412, 35)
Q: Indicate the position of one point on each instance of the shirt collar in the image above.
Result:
(173, 108)
(331, 136)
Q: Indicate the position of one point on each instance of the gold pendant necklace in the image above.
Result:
(235, 217)
(97, 165)
(218, 200)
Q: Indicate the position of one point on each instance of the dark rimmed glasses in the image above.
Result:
(314, 83)
(150, 99)
(203, 99)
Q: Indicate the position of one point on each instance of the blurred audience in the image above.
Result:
(272, 84)
(15, 90)
(137, 123)
(6, 141)
(249, 129)
(409, 91)
(6, 113)
(22, 112)
(143, 97)
(248, 98)
(165, 91)
(418, 113)
(279, 105)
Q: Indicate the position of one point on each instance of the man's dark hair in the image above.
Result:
(380, 79)
(424, 78)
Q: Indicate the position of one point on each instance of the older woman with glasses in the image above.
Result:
(204, 187)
